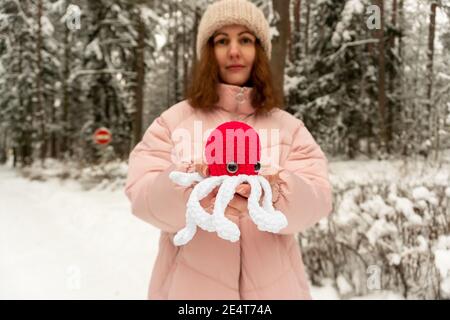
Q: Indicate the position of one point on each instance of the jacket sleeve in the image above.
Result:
(154, 197)
(304, 193)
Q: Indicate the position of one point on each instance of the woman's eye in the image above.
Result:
(246, 40)
(221, 41)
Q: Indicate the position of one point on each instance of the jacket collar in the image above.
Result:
(235, 99)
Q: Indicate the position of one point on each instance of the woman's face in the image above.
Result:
(234, 48)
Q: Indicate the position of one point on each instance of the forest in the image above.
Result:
(369, 78)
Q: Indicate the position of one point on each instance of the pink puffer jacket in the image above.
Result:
(261, 265)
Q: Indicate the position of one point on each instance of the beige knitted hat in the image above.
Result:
(227, 12)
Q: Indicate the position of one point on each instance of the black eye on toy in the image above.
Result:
(232, 167)
(257, 166)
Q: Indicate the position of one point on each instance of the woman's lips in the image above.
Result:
(235, 68)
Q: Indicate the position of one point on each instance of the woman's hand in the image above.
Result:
(239, 201)
(243, 190)
(208, 202)
(202, 169)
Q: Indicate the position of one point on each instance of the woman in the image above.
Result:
(231, 82)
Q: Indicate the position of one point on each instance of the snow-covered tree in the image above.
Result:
(30, 67)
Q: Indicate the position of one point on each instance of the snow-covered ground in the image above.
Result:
(58, 241)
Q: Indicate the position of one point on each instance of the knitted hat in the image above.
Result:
(233, 148)
(228, 12)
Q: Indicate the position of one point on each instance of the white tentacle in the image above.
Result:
(203, 219)
(254, 210)
(195, 214)
(280, 221)
(187, 233)
(226, 229)
(185, 179)
(266, 218)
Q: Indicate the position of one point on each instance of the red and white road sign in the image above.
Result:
(102, 136)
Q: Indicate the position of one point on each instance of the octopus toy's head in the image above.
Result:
(233, 148)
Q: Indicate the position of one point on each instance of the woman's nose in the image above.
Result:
(235, 50)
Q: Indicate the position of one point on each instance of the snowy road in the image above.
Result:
(60, 242)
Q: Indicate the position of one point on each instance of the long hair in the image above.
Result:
(202, 91)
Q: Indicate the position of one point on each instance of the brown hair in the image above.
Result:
(202, 93)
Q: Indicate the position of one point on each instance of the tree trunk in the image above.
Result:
(289, 42)
(194, 32)
(39, 84)
(18, 148)
(279, 48)
(391, 110)
(53, 150)
(393, 21)
(23, 149)
(185, 56)
(65, 94)
(381, 81)
(404, 115)
(401, 25)
(140, 79)
(176, 76)
(297, 30)
(308, 8)
(430, 54)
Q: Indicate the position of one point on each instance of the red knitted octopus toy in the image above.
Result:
(232, 152)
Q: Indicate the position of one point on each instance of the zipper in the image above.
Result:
(240, 98)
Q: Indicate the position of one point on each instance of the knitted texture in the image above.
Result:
(233, 142)
(266, 218)
(228, 12)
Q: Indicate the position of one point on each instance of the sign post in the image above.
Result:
(102, 136)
